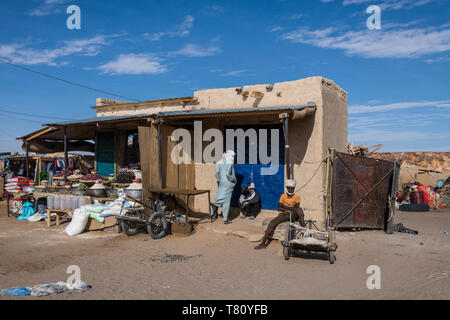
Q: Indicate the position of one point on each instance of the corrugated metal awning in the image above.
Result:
(54, 129)
(94, 120)
(213, 112)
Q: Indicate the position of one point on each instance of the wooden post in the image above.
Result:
(66, 157)
(27, 146)
(327, 191)
(286, 145)
(159, 155)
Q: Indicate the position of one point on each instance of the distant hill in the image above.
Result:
(438, 161)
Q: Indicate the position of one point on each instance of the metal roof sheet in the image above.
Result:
(237, 110)
(100, 119)
(198, 112)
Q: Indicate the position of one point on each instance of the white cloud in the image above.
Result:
(385, 43)
(276, 28)
(391, 4)
(235, 73)
(194, 50)
(355, 109)
(21, 54)
(48, 7)
(134, 64)
(180, 30)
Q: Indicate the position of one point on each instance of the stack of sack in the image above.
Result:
(16, 184)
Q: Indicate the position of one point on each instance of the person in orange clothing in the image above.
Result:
(289, 203)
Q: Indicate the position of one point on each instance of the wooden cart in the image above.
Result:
(307, 239)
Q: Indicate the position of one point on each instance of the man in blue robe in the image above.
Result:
(226, 180)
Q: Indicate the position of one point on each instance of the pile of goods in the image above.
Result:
(97, 190)
(16, 184)
(93, 176)
(419, 197)
(125, 176)
(76, 175)
(60, 174)
(135, 189)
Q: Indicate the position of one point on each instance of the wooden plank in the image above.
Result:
(154, 155)
(144, 154)
(170, 169)
(182, 100)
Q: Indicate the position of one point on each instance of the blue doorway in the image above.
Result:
(270, 187)
(106, 153)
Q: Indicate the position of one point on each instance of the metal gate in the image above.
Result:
(362, 192)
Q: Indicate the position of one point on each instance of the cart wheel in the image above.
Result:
(157, 226)
(331, 256)
(129, 228)
(286, 248)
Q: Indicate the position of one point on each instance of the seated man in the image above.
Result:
(289, 203)
(249, 201)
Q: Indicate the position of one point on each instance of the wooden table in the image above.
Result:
(185, 192)
(58, 213)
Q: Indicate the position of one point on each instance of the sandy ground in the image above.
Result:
(208, 265)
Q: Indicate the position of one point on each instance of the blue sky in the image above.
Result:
(397, 77)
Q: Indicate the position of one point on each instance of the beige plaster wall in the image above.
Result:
(309, 138)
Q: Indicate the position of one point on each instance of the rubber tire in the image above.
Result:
(286, 249)
(125, 226)
(162, 224)
(331, 255)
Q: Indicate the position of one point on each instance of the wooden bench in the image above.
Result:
(59, 213)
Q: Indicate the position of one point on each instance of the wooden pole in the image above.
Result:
(27, 146)
(159, 154)
(286, 145)
(327, 191)
(66, 157)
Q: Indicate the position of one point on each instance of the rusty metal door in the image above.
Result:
(361, 191)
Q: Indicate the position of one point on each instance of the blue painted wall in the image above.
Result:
(270, 187)
(106, 154)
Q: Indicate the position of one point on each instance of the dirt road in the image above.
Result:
(207, 265)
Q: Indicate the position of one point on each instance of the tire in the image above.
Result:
(331, 256)
(287, 249)
(157, 226)
(129, 228)
(423, 207)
